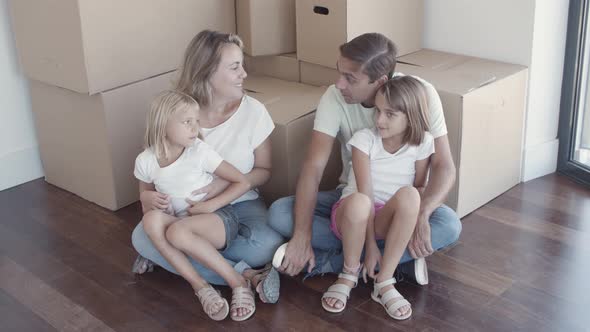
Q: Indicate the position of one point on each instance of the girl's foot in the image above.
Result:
(266, 282)
(213, 304)
(242, 303)
(394, 303)
(334, 300)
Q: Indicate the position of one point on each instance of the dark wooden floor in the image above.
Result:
(522, 263)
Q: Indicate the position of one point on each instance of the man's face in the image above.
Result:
(353, 84)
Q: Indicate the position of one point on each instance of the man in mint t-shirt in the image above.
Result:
(364, 64)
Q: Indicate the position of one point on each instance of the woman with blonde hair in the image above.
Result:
(237, 127)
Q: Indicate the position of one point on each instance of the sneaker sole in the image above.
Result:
(421, 271)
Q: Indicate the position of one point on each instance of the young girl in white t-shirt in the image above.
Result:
(382, 198)
(176, 163)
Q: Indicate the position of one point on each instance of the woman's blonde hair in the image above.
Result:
(162, 107)
(408, 95)
(201, 60)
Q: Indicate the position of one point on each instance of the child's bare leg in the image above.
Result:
(351, 219)
(156, 223)
(395, 223)
(201, 237)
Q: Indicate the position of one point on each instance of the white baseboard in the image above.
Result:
(18, 167)
(540, 160)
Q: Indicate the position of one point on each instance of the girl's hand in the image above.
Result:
(198, 207)
(372, 260)
(153, 200)
(212, 189)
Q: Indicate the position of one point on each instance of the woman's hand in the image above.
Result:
(213, 189)
(198, 207)
(372, 260)
(153, 200)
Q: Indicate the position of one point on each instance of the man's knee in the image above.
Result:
(280, 215)
(446, 225)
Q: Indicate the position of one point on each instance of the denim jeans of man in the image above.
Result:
(254, 246)
(444, 224)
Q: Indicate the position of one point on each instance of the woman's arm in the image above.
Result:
(238, 185)
(150, 198)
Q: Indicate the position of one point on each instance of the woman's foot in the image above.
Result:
(334, 300)
(142, 265)
(266, 282)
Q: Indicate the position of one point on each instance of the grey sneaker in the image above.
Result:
(142, 265)
(415, 270)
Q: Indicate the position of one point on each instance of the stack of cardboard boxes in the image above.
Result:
(100, 67)
(94, 67)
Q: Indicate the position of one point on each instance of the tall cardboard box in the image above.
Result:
(484, 104)
(283, 66)
(90, 46)
(317, 75)
(267, 27)
(292, 107)
(323, 25)
(89, 143)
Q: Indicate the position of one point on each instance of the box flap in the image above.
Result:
(285, 101)
(454, 73)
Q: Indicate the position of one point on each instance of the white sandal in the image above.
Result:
(208, 297)
(340, 292)
(243, 297)
(389, 295)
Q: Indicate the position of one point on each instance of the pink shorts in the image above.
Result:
(334, 227)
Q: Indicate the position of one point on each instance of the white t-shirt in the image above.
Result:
(338, 119)
(191, 171)
(237, 138)
(389, 172)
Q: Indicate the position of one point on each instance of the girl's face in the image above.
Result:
(230, 74)
(390, 122)
(182, 128)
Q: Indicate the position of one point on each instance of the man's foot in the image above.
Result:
(415, 271)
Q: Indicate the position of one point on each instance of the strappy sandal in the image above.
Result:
(340, 292)
(269, 284)
(208, 297)
(243, 297)
(142, 265)
(389, 295)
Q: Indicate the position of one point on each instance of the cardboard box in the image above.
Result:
(267, 27)
(323, 25)
(317, 75)
(284, 66)
(89, 144)
(91, 46)
(484, 103)
(292, 107)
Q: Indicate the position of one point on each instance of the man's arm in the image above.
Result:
(299, 251)
(441, 180)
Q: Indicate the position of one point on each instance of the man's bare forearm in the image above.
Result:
(442, 179)
(305, 201)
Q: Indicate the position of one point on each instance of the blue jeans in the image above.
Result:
(444, 224)
(255, 244)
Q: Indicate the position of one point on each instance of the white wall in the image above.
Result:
(526, 32)
(19, 153)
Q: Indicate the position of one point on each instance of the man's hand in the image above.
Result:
(297, 254)
(212, 189)
(153, 200)
(198, 207)
(420, 244)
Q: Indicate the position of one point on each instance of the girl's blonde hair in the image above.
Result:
(162, 107)
(201, 60)
(408, 95)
